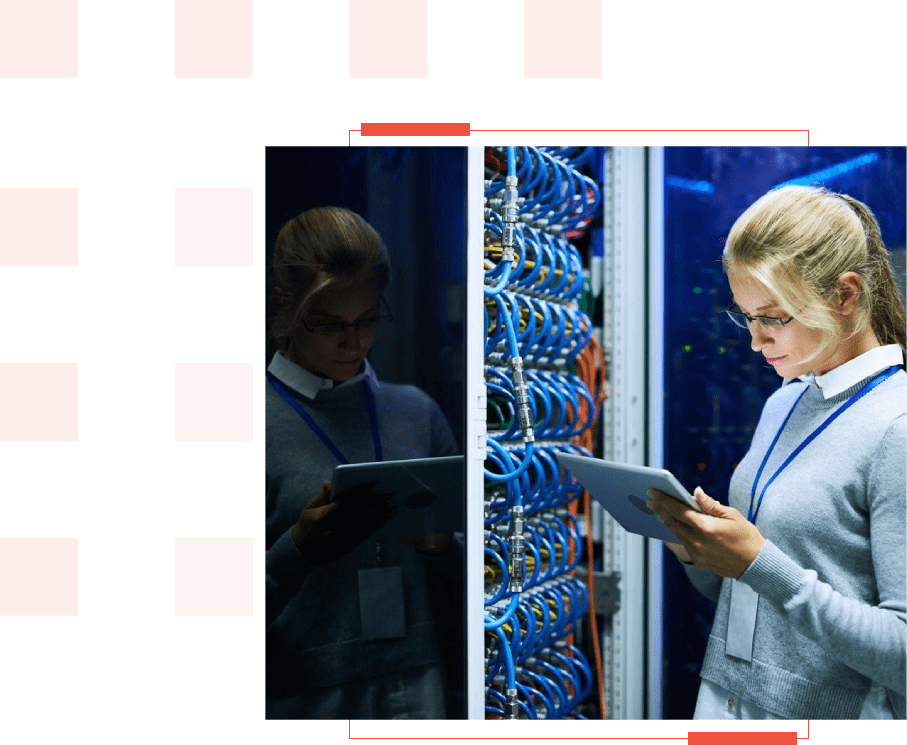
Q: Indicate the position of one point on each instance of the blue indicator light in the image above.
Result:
(829, 173)
(686, 184)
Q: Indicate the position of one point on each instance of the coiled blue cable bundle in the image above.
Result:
(536, 403)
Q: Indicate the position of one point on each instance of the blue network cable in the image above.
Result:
(534, 331)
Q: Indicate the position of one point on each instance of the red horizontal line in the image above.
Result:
(641, 130)
(468, 131)
(521, 739)
(739, 737)
(646, 130)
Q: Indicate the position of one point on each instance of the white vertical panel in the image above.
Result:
(625, 413)
(475, 436)
(655, 356)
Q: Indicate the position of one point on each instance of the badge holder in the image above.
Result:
(742, 621)
(381, 601)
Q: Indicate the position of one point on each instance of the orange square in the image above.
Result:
(388, 38)
(39, 39)
(39, 577)
(39, 401)
(39, 227)
(213, 227)
(213, 401)
(213, 39)
(213, 577)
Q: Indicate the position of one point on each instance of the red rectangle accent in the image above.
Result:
(389, 38)
(415, 129)
(40, 39)
(742, 738)
(40, 403)
(547, 55)
(208, 48)
(56, 243)
(39, 577)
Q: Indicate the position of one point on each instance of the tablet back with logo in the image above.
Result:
(622, 490)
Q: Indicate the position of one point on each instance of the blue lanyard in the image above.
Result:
(881, 377)
(372, 415)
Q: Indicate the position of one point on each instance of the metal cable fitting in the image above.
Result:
(517, 549)
(509, 212)
(521, 396)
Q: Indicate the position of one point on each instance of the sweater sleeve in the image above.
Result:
(442, 438)
(285, 568)
(871, 639)
(708, 583)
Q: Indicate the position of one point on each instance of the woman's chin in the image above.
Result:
(342, 371)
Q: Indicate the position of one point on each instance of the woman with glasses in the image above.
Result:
(807, 564)
(350, 628)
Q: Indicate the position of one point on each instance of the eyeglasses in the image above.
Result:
(362, 326)
(766, 322)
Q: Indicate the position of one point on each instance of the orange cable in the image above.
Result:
(591, 369)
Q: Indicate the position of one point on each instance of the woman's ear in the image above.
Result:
(849, 288)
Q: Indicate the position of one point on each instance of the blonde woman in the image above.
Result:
(351, 632)
(807, 564)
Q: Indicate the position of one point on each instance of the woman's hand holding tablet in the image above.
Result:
(716, 537)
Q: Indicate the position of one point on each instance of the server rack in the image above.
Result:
(619, 276)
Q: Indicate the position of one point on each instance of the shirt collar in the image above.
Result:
(856, 370)
(307, 383)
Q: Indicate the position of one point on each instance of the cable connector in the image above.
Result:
(521, 396)
(511, 708)
(498, 204)
(509, 212)
(517, 549)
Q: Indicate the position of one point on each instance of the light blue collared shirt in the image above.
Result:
(307, 383)
(858, 369)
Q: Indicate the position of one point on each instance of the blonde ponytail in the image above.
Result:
(887, 316)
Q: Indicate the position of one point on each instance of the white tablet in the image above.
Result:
(429, 491)
(622, 490)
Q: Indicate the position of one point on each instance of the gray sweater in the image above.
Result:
(313, 627)
(831, 577)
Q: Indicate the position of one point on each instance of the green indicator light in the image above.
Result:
(721, 350)
(697, 290)
(687, 347)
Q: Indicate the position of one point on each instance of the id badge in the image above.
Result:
(381, 603)
(742, 621)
